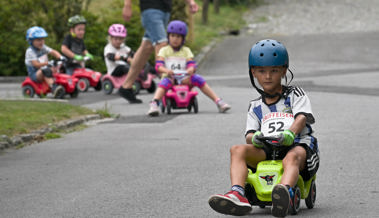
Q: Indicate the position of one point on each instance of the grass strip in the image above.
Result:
(19, 117)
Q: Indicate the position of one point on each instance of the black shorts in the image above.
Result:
(120, 70)
(312, 162)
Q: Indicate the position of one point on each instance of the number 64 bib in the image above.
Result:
(275, 123)
(175, 63)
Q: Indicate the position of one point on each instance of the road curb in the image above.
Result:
(38, 135)
(199, 58)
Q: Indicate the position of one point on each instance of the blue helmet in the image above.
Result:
(35, 32)
(268, 52)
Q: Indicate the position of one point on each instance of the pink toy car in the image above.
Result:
(180, 96)
(144, 81)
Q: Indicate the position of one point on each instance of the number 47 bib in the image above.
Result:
(275, 123)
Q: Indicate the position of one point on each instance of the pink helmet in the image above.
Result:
(117, 30)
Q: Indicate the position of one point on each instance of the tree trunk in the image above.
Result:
(205, 11)
(216, 5)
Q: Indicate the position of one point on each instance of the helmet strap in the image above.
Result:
(73, 34)
(267, 95)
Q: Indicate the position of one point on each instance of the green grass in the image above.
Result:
(18, 117)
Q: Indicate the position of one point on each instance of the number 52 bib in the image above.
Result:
(276, 122)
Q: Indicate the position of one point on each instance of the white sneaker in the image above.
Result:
(222, 106)
(154, 109)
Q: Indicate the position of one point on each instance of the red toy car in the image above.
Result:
(87, 78)
(30, 88)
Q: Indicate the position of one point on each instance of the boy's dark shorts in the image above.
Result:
(312, 162)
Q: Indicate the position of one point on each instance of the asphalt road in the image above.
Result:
(138, 166)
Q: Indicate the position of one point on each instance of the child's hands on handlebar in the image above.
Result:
(286, 138)
(78, 57)
(255, 139)
(89, 56)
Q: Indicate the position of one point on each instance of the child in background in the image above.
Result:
(116, 54)
(36, 59)
(73, 46)
(176, 56)
(283, 111)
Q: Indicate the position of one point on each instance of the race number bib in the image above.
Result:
(175, 63)
(275, 123)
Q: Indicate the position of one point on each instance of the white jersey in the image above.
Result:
(275, 118)
(33, 54)
(111, 65)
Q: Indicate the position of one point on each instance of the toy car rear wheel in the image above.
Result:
(296, 201)
(152, 87)
(28, 91)
(107, 86)
(83, 84)
(75, 93)
(98, 86)
(168, 105)
(311, 198)
(195, 105)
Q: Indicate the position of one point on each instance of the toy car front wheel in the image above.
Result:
(108, 86)
(296, 201)
(195, 105)
(75, 93)
(168, 105)
(61, 93)
(311, 198)
(28, 91)
(83, 84)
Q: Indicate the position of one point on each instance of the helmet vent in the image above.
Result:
(273, 44)
(261, 54)
(274, 54)
(263, 44)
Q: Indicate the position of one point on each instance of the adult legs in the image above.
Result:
(140, 58)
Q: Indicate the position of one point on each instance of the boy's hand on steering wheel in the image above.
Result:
(78, 57)
(88, 55)
(256, 142)
(286, 138)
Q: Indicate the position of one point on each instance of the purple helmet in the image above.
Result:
(178, 27)
(117, 30)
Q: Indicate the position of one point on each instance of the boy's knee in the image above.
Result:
(47, 72)
(292, 157)
(238, 150)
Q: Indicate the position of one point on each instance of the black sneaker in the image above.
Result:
(281, 200)
(58, 91)
(129, 95)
